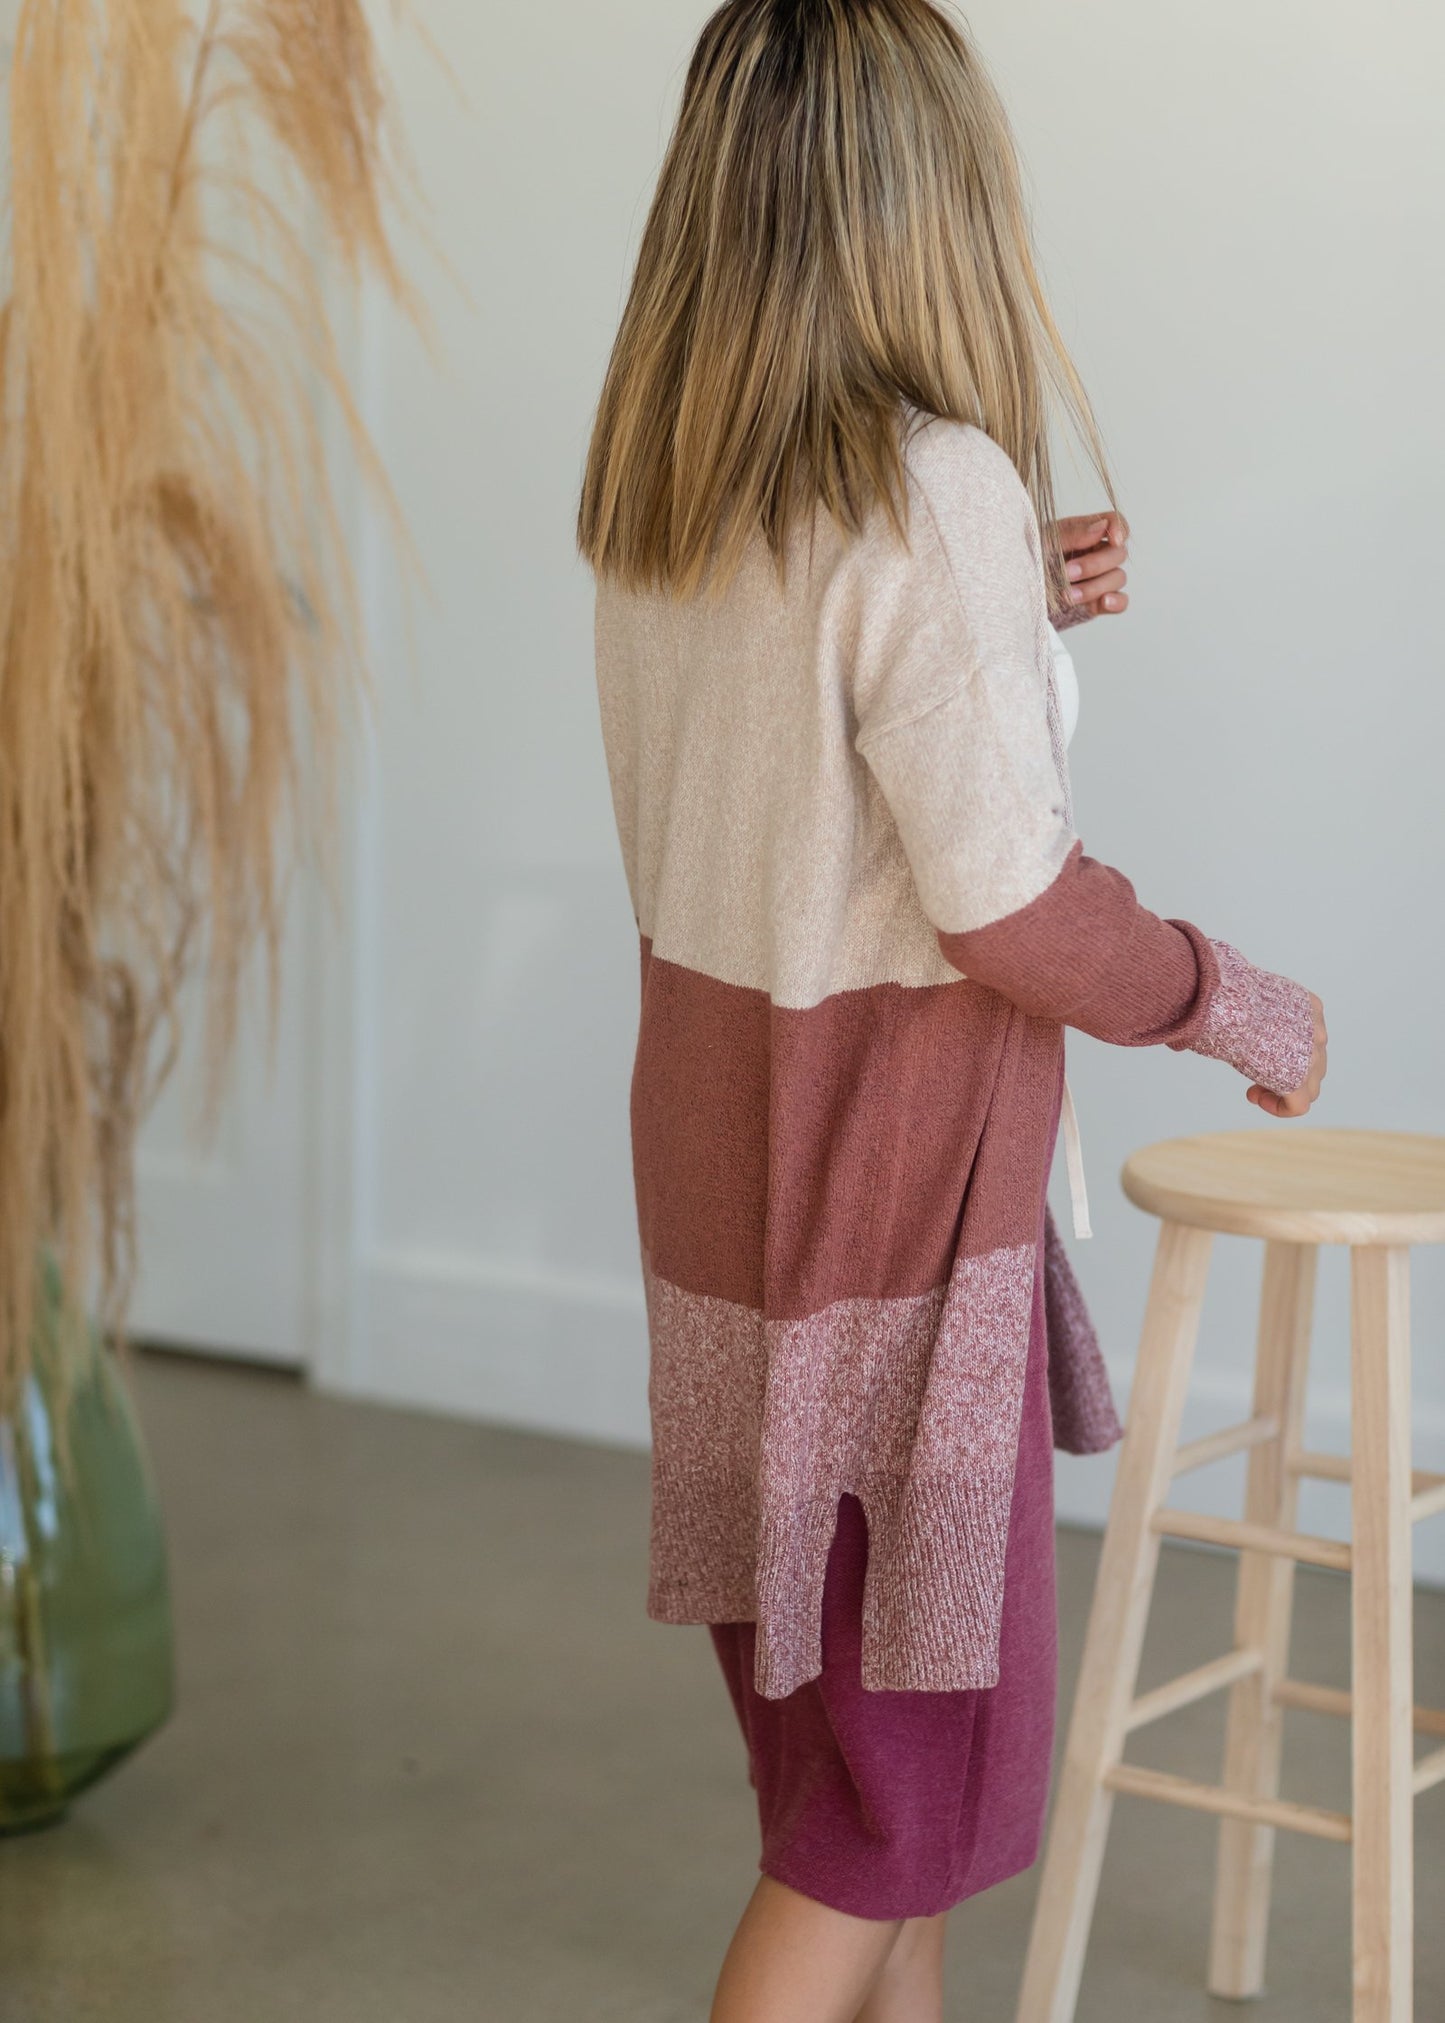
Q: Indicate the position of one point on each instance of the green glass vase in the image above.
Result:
(85, 1618)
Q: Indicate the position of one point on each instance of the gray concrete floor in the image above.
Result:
(431, 1764)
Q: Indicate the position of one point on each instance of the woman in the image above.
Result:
(814, 506)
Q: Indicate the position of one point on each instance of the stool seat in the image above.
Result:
(1295, 1184)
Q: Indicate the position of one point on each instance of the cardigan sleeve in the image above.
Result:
(1088, 954)
(953, 722)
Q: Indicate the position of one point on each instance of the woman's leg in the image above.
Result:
(910, 1987)
(793, 1960)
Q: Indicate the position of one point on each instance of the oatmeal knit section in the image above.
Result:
(865, 922)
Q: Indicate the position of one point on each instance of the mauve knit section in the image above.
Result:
(912, 1405)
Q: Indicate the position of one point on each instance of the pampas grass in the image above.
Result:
(178, 636)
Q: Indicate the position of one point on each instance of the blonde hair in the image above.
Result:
(838, 230)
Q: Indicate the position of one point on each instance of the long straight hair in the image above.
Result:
(838, 232)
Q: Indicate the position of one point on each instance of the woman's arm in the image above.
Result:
(953, 723)
(1088, 954)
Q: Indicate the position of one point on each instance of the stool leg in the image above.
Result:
(1117, 1622)
(1263, 1600)
(1381, 1730)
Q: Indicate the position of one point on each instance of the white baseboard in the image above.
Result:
(569, 1357)
(550, 1355)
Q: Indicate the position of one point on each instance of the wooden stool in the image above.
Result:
(1296, 1188)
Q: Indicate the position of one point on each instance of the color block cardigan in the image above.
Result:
(865, 923)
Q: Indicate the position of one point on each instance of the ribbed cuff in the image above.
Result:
(1260, 1023)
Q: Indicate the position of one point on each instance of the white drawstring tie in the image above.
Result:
(1074, 1153)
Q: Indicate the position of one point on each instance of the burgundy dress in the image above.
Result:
(901, 1804)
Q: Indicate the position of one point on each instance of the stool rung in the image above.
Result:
(1229, 1440)
(1170, 1790)
(1428, 1497)
(1427, 1502)
(1325, 1467)
(1310, 1699)
(1245, 1537)
(1192, 1686)
(1430, 1771)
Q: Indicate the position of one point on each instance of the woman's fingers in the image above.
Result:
(1095, 588)
(1082, 530)
(1095, 548)
(1089, 530)
(1295, 1105)
(1097, 575)
(1095, 562)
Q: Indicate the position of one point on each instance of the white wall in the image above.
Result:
(1240, 211)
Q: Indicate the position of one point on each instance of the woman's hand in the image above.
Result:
(1095, 548)
(1308, 1093)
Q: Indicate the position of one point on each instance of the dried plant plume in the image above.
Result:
(178, 633)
